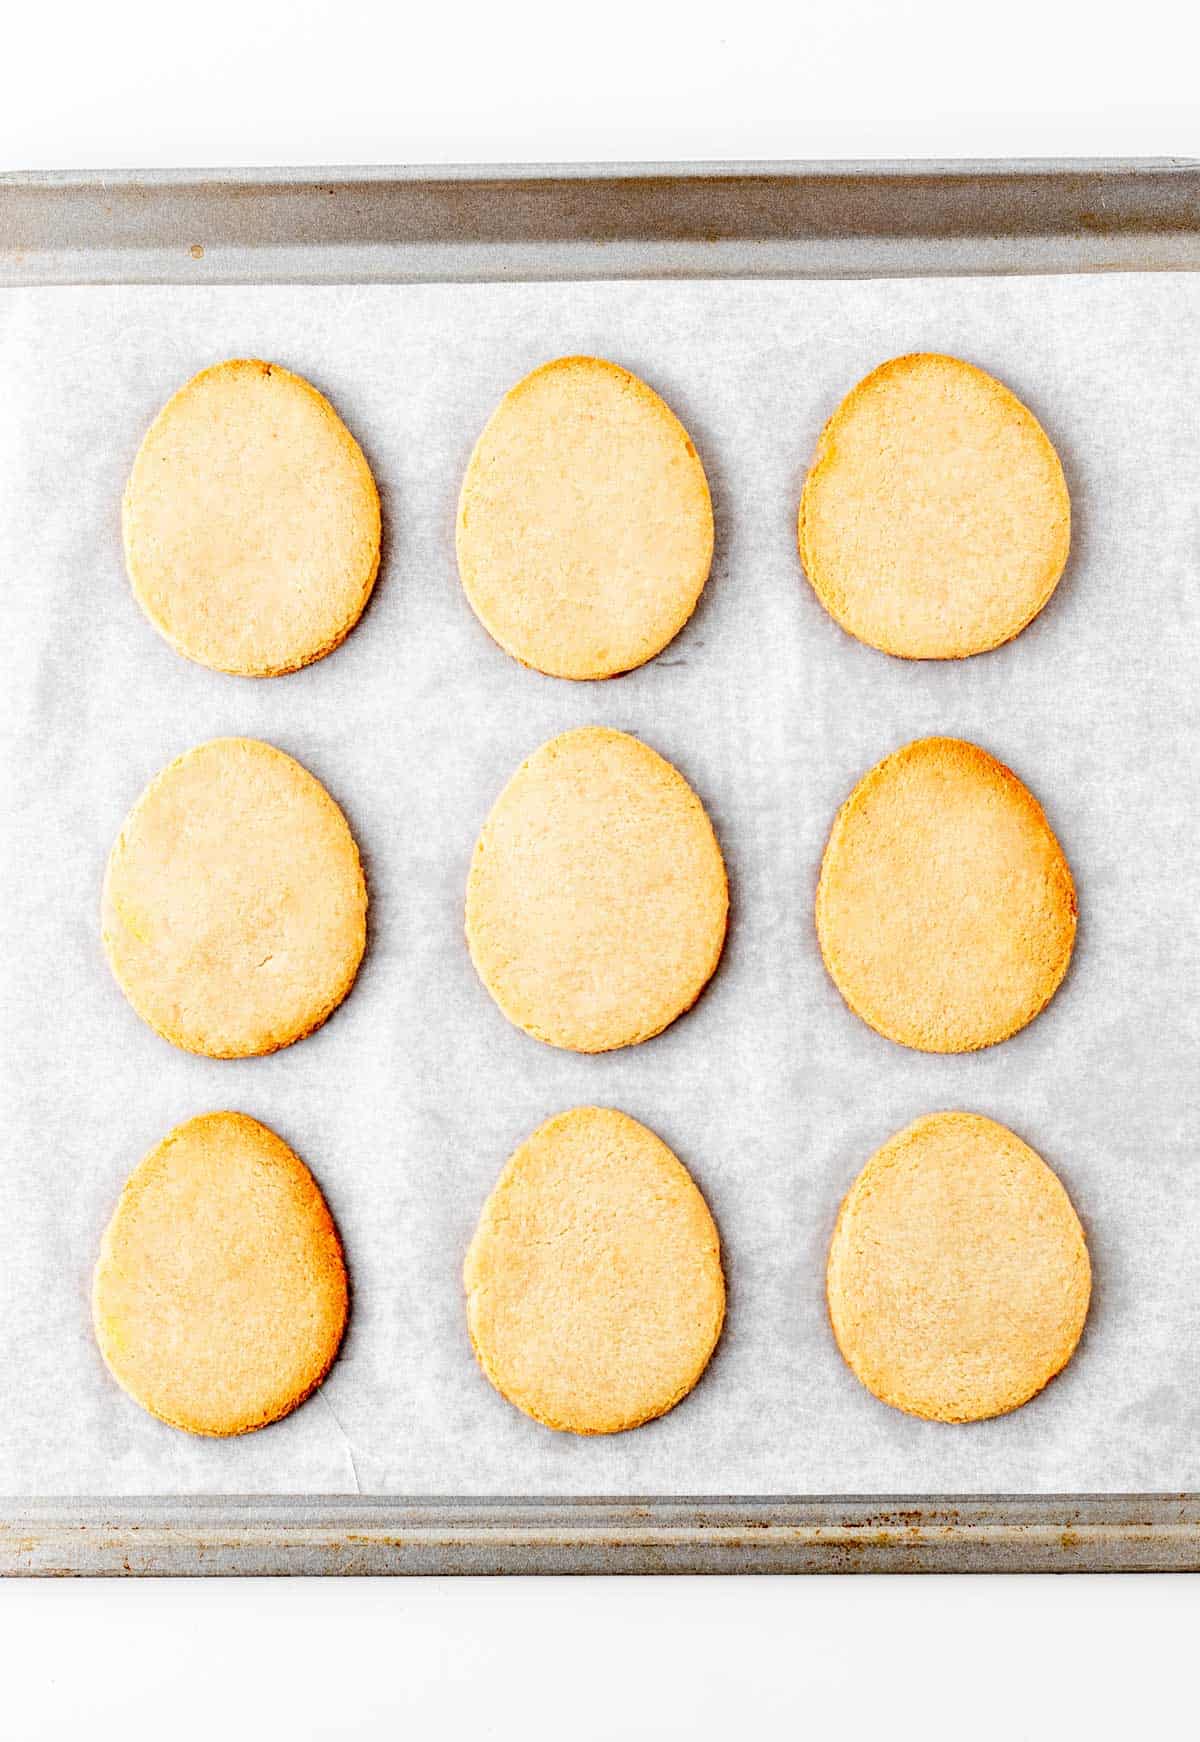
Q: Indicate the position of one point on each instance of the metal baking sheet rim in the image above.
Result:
(363, 1536)
(593, 221)
(610, 221)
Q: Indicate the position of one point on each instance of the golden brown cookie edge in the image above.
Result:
(132, 1187)
(1013, 783)
(345, 437)
(643, 389)
(825, 440)
(620, 1424)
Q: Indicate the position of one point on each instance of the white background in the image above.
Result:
(334, 81)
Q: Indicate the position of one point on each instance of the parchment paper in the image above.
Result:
(407, 1104)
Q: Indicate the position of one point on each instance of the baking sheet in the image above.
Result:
(407, 1103)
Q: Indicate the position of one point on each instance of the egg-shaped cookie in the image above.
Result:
(595, 1294)
(597, 898)
(219, 1297)
(958, 1279)
(251, 521)
(585, 529)
(945, 907)
(935, 520)
(234, 905)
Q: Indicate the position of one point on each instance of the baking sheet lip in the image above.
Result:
(77, 1506)
(464, 223)
(691, 169)
(367, 1535)
(245, 271)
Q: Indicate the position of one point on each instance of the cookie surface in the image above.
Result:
(958, 1279)
(945, 907)
(935, 521)
(234, 906)
(251, 521)
(595, 1294)
(585, 529)
(219, 1298)
(597, 900)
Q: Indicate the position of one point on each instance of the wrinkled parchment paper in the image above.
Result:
(407, 1104)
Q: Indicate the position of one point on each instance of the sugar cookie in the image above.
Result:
(596, 902)
(595, 1294)
(234, 906)
(585, 530)
(958, 1278)
(935, 521)
(945, 907)
(251, 522)
(219, 1297)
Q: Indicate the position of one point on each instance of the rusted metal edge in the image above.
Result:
(418, 224)
(352, 1535)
